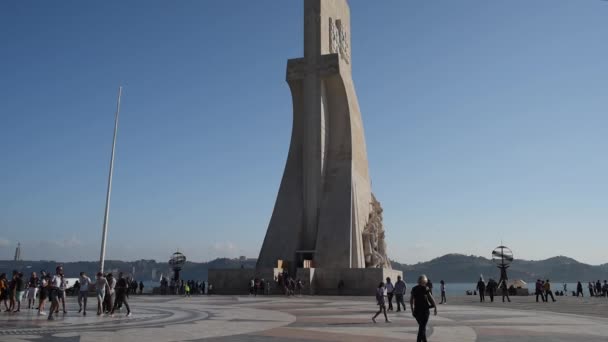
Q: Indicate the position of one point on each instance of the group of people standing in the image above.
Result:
(421, 301)
(111, 293)
(491, 288)
(184, 287)
(595, 289)
(16, 290)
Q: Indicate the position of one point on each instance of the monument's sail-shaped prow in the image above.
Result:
(326, 226)
(325, 211)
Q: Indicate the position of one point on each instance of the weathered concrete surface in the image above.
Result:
(306, 319)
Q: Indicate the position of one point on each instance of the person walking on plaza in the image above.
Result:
(101, 287)
(579, 289)
(122, 286)
(55, 289)
(442, 288)
(381, 302)
(548, 292)
(539, 290)
(421, 301)
(4, 290)
(62, 293)
(32, 290)
(110, 293)
(505, 290)
(45, 281)
(390, 289)
(83, 293)
(141, 287)
(491, 289)
(20, 290)
(481, 288)
(399, 291)
(590, 289)
(12, 291)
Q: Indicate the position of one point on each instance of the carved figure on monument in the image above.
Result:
(334, 37)
(374, 238)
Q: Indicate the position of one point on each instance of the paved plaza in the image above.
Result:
(227, 318)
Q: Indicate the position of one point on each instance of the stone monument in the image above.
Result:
(326, 227)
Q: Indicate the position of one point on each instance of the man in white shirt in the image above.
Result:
(389, 292)
(83, 292)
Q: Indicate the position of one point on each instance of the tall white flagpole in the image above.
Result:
(102, 257)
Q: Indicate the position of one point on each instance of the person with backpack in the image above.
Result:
(421, 301)
(381, 302)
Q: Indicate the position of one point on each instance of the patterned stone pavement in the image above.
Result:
(226, 319)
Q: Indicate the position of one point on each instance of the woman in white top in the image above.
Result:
(101, 284)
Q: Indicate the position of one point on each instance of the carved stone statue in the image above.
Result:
(374, 245)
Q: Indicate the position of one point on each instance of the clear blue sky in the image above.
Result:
(484, 120)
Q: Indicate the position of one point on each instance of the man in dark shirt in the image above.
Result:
(122, 286)
(481, 287)
(20, 290)
(400, 289)
(538, 291)
(491, 289)
(12, 290)
(421, 301)
(505, 291)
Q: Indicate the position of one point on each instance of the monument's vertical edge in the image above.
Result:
(283, 234)
(312, 117)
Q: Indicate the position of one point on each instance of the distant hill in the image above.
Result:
(458, 268)
(455, 268)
